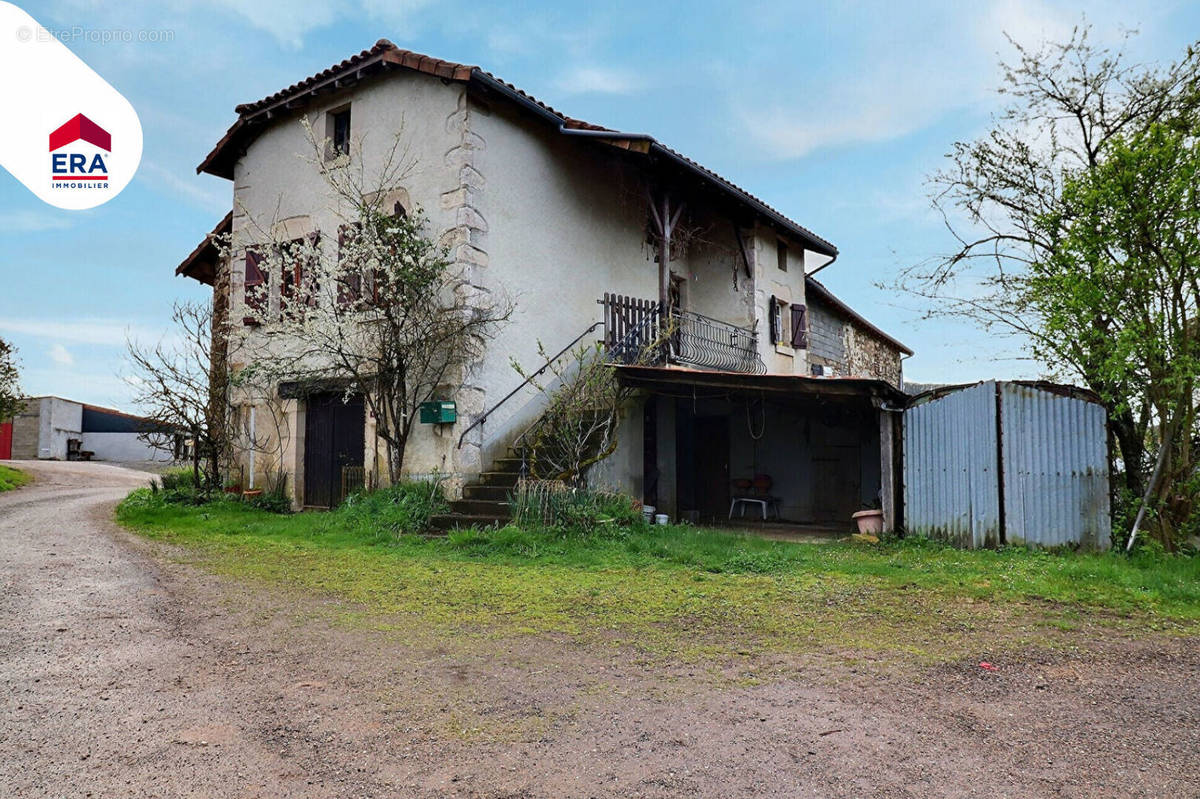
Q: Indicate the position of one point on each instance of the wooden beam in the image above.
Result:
(741, 242)
(664, 257)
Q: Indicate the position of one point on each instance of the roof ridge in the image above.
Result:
(384, 52)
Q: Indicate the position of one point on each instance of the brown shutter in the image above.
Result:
(799, 327)
(312, 286)
(254, 289)
(349, 283)
(773, 320)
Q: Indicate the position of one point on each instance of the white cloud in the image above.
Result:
(598, 80)
(191, 187)
(289, 21)
(61, 356)
(952, 64)
(102, 332)
(33, 221)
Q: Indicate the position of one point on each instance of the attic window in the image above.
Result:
(337, 130)
(781, 255)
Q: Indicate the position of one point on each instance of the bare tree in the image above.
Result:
(380, 311)
(174, 386)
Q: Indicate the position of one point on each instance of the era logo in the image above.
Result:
(78, 153)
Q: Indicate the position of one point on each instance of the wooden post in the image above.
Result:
(664, 256)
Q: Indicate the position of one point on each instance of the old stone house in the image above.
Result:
(770, 375)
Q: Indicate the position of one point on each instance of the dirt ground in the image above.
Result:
(128, 672)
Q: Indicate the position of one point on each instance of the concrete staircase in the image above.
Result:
(485, 501)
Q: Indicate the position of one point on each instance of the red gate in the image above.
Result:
(6, 441)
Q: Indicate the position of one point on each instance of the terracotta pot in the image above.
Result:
(869, 521)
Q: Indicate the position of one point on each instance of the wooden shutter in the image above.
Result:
(349, 283)
(799, 327)
(255, 289)
(773, 319)
(309, 270)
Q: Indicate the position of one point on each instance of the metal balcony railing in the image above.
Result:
(699, 340)
(637, 332)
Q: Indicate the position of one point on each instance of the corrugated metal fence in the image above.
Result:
(1007, 462)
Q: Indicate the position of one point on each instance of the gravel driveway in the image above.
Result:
(127, 671)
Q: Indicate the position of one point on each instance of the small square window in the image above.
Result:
(781, 255)
(337, 130)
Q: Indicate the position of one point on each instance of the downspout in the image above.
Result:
(251, 481)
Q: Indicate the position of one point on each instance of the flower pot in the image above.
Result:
(869, 521)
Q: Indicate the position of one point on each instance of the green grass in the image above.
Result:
(12, 478)
(685, 591)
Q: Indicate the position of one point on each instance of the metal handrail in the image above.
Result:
(526, 382)
(634, 341)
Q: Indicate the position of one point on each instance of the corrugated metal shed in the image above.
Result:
(1008, 462)
(950, 486)
(1055, 449)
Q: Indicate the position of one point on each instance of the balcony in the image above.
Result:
(636, 333)
(698, 340)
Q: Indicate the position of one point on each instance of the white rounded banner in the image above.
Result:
(70, 137)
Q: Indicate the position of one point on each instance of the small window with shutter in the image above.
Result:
(298, 276)
(781, 255)
(255, 292)
(775, 321)
(349, 290)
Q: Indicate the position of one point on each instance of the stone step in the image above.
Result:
(507, 464)
(451, 521)
(494, 493)
(480, 507)
(499, 478)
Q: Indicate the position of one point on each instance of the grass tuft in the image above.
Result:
(11, 478)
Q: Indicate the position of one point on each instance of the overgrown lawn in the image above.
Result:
(684, 591)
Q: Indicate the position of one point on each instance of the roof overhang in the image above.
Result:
(201, 264)
(665, 378)
(253, 118)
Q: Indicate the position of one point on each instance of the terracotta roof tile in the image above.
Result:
(220, 160)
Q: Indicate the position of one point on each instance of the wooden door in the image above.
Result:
(333, 439)
(837, 484)
(712, 466)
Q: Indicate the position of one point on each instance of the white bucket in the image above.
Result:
(648, 513)
(661, 519)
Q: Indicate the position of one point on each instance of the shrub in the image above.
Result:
(404, 508)
(176, 479)
(552, 505)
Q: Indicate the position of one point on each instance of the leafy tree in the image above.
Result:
(1018, 200)
(1123, 285)
(11, 401)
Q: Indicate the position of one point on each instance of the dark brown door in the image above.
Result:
(837, 484)
(333, 439)
(712, 467)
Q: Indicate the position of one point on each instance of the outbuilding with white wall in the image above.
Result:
(53, 428)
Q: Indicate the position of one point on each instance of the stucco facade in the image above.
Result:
(548, 220)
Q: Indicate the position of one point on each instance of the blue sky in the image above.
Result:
(834, 113)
